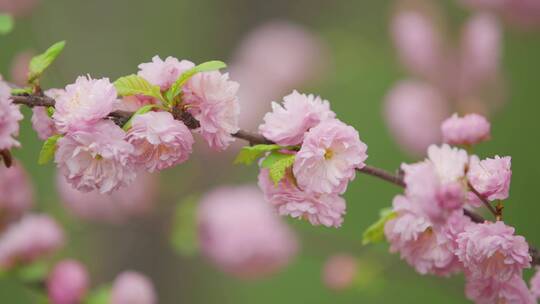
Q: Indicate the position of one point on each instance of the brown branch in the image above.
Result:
(121, 117)
(484, 201)
(5, 155)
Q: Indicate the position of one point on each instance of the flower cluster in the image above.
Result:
(326, 151)
(432, 233)
(10, 115)
(94, 153)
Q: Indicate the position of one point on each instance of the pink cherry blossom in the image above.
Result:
(16, 193)
(467, 130)
(18, 7)
(491, 176)
(535, 284)
(288, 123)
(427, 248)
(32, 237)
(164, 73)
(10, 115)
(329, 157)
(131, 287)
(242, 235)
(318, 209)
(135, 200)
(340, 271)
(67, 283)
(212, 99)
(414, 112)
(96, 159)
(418, 42)
(524, 13)
(159, 140)
(84, 103)
(492, 251)
(449, 162)
(489, 291)
(19, 66)
(42, 123)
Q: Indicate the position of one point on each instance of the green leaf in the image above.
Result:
(50, 111)
(21, 91)
(136, 85)
(34, 272)
(48, 149)
(277, 163)
(249, 154)
(39, 63)
(141, 110)
(6, 24)
(184, 230)
(101, 295)
(375, 232)
(203, 67)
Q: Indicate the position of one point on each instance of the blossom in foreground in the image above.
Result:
(16, 193)
(287, 124)
(241, 234)
(84, 103)
(67, 283)
(159, 140)
(135, 200)
(491, 176)
(42, 123)
(468, 130)
(164, 73)
(489, 291)
(32, 237)
(329, 156)
(10, 115)
(212, 99)
(340, 271)
(427, 248)
(96, 159)
(131, 287)
(492, 251)
(535, 284)
(288, 199)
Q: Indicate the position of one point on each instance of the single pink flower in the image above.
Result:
(10, 115)
(491, 176)
(164, 73)
(84, 103)
(135, 200)
(33, 237)
(131, 287)
(16, 193)
(449, 162)
(212, 99)
(67, 283)
(467, 130)
(418, 42)
(287, 124)
(535, 284)
(318, 209)
(159, 140)
(96, 159)
(242, 235)
(414, 112)
(329, 157)
(340, 271)
(489, 291)
(492, 251)
(427, 248)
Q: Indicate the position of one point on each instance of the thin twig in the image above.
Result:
(382, 174)
(484, 200)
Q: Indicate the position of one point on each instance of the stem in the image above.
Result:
(484, 201)
(382, 174)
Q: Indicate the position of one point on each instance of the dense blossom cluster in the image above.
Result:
(329, 154)
(432, 233)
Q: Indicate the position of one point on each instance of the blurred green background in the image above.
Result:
(111, 37)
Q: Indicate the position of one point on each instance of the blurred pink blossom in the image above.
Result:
(242, 235)
(19, 67)
(489, 291)
(523, 13)
(135, 200)
(467, 130)
(33, 237)
(535, 283)
(340, 271)
(18, 7)
(10, 115)
(16, 193)
(131, 287)
(68, 282)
